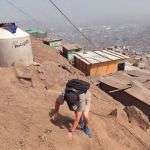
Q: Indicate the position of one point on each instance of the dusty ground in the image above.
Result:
(25, 106)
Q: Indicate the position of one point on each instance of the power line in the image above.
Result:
(69, 20)
(23, 12)
(65, 16)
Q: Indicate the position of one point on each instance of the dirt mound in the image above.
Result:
(27, 97)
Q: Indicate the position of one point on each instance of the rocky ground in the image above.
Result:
(28, 93)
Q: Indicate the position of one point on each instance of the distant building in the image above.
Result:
(148, 55)
(37, 33)
(69, 50)
(99, 63)
(54, 43)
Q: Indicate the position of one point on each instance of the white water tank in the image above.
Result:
(15, 48)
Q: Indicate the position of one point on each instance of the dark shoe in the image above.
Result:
(88, 131)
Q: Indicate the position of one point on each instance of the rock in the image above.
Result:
(42, 138)
(23, 72)
(26, 83)
(119, 114)
(48, 85)
(36, 64)
(142, 65)
(66, 67)
(137, 117)
(42, 76)
(122, 116)
(36, 83)
(113, 113)
(39, 69)
(48, 131)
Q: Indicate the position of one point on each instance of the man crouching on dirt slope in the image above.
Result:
(78, 98)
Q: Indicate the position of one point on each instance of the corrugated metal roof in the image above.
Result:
(52, 40)
(35, 30)
(94, 57)
(114, 53)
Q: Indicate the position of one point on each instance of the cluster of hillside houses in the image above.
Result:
(91, 63)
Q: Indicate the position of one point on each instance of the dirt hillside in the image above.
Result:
(28, 93)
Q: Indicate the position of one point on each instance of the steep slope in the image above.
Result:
(25, 106)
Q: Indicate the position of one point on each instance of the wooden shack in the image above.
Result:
(69, 50)
(54, 43)
(99, 63)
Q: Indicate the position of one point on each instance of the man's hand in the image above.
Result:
(70, 135)
(53, 114)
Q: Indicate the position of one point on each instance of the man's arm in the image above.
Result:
(57, 106)
(58, 102)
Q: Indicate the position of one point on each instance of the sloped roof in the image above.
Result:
(94, 57)
(52, 40)
(69, 46)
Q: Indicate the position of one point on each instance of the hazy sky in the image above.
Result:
(84, 11)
